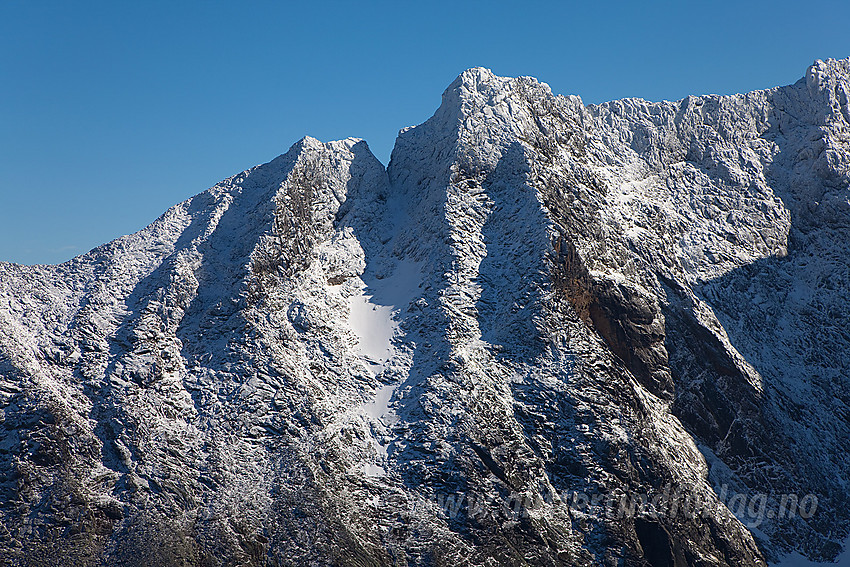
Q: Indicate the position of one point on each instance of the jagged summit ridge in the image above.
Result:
(323, 361)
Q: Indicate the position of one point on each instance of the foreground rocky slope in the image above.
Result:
(539, 312)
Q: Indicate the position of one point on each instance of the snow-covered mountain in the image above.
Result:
(546, 334)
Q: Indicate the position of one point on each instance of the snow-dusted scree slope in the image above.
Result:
(546, 334)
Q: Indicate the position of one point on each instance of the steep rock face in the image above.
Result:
(538, 308)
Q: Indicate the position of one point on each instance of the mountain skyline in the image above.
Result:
(117, 111)
(537, 312)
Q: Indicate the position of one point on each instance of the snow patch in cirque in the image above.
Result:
(379, 408)
(374, 312)
(374, 326)
(374, 315)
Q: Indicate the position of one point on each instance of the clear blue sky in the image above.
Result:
(110, 112)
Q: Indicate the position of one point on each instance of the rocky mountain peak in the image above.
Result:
(541, 312)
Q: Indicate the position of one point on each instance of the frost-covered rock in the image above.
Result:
(538, 308)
